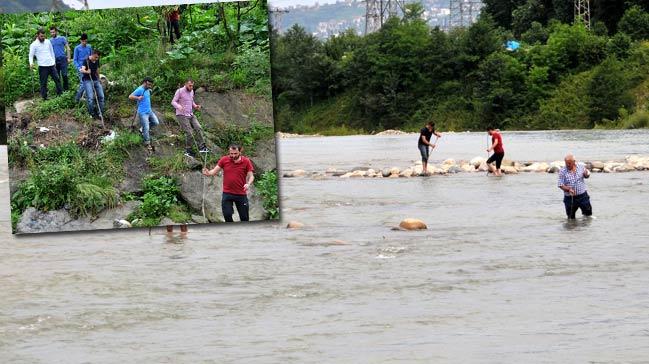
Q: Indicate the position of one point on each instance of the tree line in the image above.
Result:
(563, 76)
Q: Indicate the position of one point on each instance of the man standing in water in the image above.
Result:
(499, 151)
(571, 181)
(42, 49)
(237, 179)
(423, 143)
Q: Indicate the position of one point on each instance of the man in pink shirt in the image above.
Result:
(237, 178)
(183, 102)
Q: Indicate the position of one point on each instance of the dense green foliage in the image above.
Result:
(160, 194)
(66, 175)
(563, 75)
(224, 46)
(267, 185)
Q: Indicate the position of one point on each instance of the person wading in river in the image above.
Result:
(571, 182)
(237, 178)
(499, 151)
(423, 143)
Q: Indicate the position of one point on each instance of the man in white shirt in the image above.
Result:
(42, 49)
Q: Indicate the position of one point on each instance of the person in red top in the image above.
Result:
(499, 151)
(237, 179)
(173, 24)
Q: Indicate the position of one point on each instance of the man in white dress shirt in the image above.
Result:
(42, 49)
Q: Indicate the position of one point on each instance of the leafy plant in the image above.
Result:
(267, 186)
(159, 195)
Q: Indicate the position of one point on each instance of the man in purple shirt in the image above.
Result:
(183, 102)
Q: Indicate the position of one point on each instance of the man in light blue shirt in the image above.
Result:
(81, 53)
(61, 55)
(146, 115)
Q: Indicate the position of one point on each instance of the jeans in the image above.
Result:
(62, 71)
(228, 210)
(90, 96)
(424, 151)
(147, 120)
(81, 90)
(574, 203)
(43, 73)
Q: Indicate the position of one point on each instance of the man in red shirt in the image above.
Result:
(173, 23)
(237, 179)
(499, 151)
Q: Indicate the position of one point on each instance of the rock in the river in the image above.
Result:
(294, 225)
(509, 170)
(295, 173)
(412, 224)
(477, 162)
(406, 173)
(598, 165)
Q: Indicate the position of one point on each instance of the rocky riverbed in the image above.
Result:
(477, 164)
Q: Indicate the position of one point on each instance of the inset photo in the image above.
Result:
(139, 117)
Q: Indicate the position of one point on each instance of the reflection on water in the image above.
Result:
(499, 276)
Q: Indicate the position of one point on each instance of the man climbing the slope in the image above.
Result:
(184, 104)
(147, 117)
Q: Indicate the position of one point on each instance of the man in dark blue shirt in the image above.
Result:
(81, 52)
(425, 134)
(93, 88)
(61, 55)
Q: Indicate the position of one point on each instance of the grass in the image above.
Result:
(179, 213)
(168, 164)
(639, 119)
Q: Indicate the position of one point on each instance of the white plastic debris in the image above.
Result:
(109, 138)
(43, 129)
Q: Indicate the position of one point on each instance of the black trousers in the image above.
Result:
(62, 71)
(227, 207)
(574, 203)
(174, 27)
(43, 73)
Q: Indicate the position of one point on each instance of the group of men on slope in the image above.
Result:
(53, 57)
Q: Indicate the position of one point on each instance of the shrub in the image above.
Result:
(267, 187)
(159, 195)
(639, 119)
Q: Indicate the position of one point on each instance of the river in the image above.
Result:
(500, 276)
